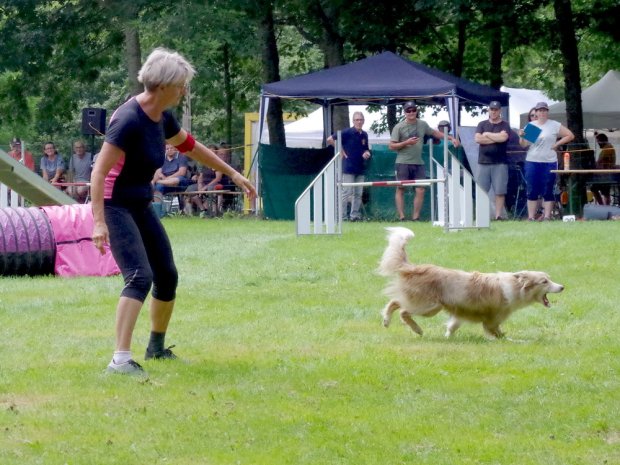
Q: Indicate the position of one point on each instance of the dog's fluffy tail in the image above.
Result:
(395, 255)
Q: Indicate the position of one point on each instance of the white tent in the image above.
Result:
(600, 103)
(308, 131)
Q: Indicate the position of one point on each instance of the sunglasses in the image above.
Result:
(358, 119)
(411, 110)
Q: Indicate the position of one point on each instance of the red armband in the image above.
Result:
(187, 145)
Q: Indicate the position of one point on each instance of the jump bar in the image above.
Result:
(411, 182)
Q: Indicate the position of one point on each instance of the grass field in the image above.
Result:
(285, 360)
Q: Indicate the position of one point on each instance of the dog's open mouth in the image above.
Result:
(545, 301)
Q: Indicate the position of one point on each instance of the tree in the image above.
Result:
(572, 78)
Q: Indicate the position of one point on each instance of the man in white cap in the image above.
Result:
(492, 135)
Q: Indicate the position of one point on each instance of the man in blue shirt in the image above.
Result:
(172, 176)
(355, 152)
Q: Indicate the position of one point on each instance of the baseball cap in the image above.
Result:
(16, 141)
(541, 105)
(495, 105)
(408, 105)
(443, 123)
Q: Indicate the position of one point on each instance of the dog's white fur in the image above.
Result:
(425, 290)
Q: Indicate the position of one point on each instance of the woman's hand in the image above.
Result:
(246, 186)
(100, 237)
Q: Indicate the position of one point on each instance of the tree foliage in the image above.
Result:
(59, 56)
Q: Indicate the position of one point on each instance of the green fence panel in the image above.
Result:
(285, 173)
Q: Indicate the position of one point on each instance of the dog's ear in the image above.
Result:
(527, 279)
(523, 279)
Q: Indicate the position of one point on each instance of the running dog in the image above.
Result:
(425, 290)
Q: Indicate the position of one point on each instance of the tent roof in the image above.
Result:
(600, 103)
(381, 79)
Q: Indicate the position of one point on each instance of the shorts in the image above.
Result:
(540, 180)
(408, 172)
(493, 175)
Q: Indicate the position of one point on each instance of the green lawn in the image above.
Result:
(285, 360)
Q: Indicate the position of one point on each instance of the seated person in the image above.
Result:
(52, 164)
(16, 154)
(80, 167)
(606, 160)
(208, 180)
(172, 176)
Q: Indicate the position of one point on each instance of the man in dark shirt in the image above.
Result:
(492, 135)
(355, 152)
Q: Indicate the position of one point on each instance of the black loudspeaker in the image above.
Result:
(93, 121)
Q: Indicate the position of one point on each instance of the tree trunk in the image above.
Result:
(332, 45)
(572, 76)
(271, 71)
(461, 39)
(495, 66)
(133, 57)
(228, 97)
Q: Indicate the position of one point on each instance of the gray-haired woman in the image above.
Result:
(121, 201)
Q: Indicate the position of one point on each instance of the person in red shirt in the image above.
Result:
(16, 154)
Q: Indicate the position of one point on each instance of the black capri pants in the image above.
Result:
(142, 251)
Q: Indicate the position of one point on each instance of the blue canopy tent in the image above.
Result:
(384, 79)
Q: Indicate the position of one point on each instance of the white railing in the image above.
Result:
(10, 198)
(317, 210)
(457, 202)
(468, 206)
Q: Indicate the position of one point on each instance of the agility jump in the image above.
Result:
(459, 201)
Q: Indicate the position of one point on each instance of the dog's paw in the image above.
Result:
(386, 322)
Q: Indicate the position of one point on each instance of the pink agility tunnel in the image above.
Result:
(37, 241)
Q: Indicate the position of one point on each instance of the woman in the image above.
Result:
(541, 158)
(52, 164)
(531, 116)
(121, 201)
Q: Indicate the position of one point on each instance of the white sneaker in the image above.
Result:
(130, 367)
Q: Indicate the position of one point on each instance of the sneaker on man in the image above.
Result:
(131, 368)
(164, 354)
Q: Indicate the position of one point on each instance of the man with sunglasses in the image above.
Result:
(407, 140)
(355, 152)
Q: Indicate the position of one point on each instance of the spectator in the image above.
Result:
(541, 158)
(21, 155)
(492, 135)
(407, 140)
(208, 180)
(531, 116)
(172, 176)
(355, 152)
(80, 167)
(438, 143)
(52, 164)
(606, 161)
